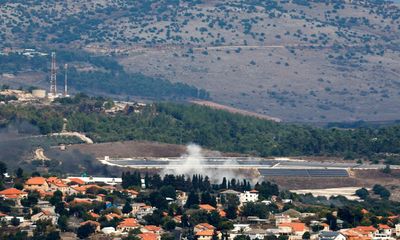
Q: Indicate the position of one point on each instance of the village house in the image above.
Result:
(207, 207)
(13, 193)
(203, 227)
(128, 224)
(207, 235)
(230, 192)
(36, 183)
(282, 218)
(57, 184)
(45, 215)
(143, 211)
(294, 230)
(132, 194)
(248, 196)
(384, 233)
(181, 197)
(152, 229)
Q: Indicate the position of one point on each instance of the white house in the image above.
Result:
(248, 196)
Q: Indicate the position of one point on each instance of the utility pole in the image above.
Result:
(66, 80)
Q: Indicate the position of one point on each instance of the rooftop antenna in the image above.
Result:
(66, 80)
(53, 76)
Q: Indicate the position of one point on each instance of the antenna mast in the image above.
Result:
(53, 76)
(66, 80)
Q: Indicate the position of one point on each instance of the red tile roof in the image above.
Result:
(36, 181)
(90, 222)
(77, 181)
(152, 228)
(93, 215)
(365, 229)
(52, 179)
(148, 236)
(111, 216)
(296, 227)
(383, 226)
(205, 233)
(205, 226)
(206, 207)
(128, 223)
(81, 201)
(222, 213)
(12, 191)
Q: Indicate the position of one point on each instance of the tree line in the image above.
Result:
(218, 130)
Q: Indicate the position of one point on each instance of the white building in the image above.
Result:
(248, 196)
(397, 230)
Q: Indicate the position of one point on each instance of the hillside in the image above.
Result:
(296, 60)
(213, 129)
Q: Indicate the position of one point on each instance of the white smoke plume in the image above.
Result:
(194, 162)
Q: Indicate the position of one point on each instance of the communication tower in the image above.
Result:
(53, 76)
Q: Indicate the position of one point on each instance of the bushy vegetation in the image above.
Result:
(219, 130)
(106, 76)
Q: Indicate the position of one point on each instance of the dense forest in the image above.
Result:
(214, 129)
(101, 74)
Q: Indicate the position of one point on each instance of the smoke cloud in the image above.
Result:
(194, 162)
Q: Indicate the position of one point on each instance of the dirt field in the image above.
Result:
(138, 149)
(359, 178)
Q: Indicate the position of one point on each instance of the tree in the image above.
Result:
(169, 225)
(19, 173)
(53, 235)
(3, 170)
(168, 191)
(223, 184)
(332, 221)
(387, 169)
(63, 223)
(127, 208)
(242, 237)
(193, 199)
(362, 193)
(381, 190)
(31, 200)
(215, 235)
(270, 237)
(306, 235)
(85, 231)
(231, 212)
(206, 198)
(167, 236)
(15, 221)
(283, 237)
(255, 209)
(56, 198)
(157, 200)
(154, 219)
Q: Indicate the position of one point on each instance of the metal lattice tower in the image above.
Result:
(53, 76)
(66, 80)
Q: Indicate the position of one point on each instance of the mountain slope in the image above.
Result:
(297, 60)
